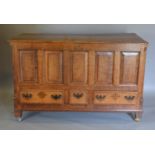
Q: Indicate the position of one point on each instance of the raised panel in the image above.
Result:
(104, 66)
(129, 68)
(28, 66)
(53, 66)
(79, 67)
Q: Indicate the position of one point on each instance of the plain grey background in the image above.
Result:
(75, 120)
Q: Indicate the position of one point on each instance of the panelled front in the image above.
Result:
(28, 66)
(115, 69)
(53, 67)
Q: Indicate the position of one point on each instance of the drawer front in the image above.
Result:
(78, 97)
(42, 97)
(128, 98)
(124, 98)
(101, 97)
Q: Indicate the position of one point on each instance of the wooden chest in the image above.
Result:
(78, 73)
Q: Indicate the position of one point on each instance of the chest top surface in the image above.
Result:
(102, 38)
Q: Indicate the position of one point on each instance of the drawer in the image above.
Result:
(78, 97)
(128, 98)
(102, 97)
(41, 97)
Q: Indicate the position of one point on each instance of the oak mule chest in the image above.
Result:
(103, 73)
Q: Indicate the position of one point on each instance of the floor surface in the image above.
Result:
(73, 120)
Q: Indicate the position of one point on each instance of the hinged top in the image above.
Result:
(103, 38)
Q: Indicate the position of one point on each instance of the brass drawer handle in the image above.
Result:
(56, 97)
(78, 95)
(27, 95)
(129, 97)
(100, 97)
